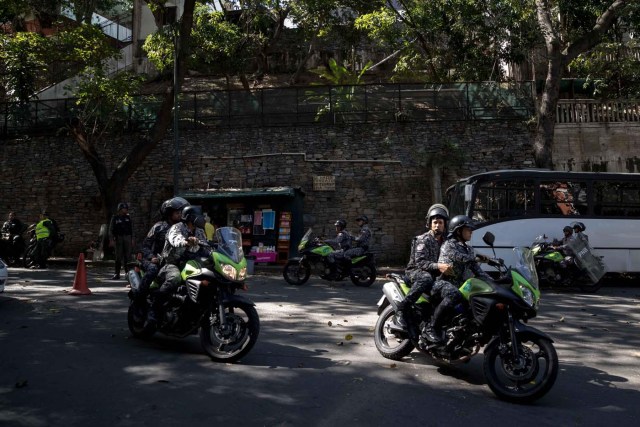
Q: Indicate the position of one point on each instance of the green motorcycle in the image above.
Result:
(314, 254)
(520, 362)
(206, 303)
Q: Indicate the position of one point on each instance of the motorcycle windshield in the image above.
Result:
(308, 236)
(526, 265)
(229, 243)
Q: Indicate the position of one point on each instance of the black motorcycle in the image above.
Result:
(12, 247)
(520, 362)
(29, 256)
(314, 254)
(205, 303)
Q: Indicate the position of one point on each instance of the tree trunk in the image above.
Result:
(558, 56)
(111, 187)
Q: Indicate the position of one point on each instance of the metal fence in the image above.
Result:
(303, 106)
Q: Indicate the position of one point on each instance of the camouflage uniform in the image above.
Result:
(422, 264)
(361, 242)
(175, 254)
(152, 247)
(342, 242)
(462, 259)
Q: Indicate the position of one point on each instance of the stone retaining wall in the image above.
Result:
(384, 171)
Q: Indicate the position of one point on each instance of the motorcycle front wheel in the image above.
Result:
(364, 275)
(28, 259)
(136, 317)
(231, 342)
(296, 272)
(389, 341)
(525, 377)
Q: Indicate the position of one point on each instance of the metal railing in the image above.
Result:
(304, 106)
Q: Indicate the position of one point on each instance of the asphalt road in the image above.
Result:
(70, 361)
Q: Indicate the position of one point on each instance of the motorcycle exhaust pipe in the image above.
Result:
(394, 294)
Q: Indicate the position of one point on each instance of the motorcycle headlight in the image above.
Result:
(527, 296)
(229, 271)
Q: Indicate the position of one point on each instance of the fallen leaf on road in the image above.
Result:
(393, 366)
(329, 323)
(357, 379)
(562, 319)
(348, 337)
(340, 343)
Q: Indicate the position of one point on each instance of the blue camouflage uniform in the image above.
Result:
(152, 247)
(175, 254)
(462, 259)
(361, 242)
(341, 242)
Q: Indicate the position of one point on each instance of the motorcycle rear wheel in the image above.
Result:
(388, 343)
(363, 276)
(296, 272)
(523, 379)
(237, 339)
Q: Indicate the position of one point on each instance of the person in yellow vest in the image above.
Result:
(46, 230)
(209, 229)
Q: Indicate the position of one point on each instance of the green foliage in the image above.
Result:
(23, 57)
(160, 49)
(612, 68)
(219, 44)
(102, 100)
(343, 96)
(339, 75)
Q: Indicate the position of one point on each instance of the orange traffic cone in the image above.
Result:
(80, 281)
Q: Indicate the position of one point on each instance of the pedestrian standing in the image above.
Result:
(121, 233)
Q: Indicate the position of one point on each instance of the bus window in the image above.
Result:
(563, 198)
(614, 198)
(504, 199)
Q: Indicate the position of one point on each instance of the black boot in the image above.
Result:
(401, 320)
(433, 331)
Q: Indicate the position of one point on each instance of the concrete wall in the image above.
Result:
(604, 147)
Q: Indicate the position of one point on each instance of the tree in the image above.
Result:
(566, 35)
(100, 97)
(469, 39)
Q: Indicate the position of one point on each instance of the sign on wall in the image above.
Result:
(324, 183)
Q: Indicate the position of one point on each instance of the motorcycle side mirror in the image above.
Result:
(489, 238)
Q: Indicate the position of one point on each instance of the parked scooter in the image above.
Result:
(314, 254)
(577, 267)
(206, 303)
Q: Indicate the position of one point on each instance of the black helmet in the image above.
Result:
(363, 218)
(193, 214)
(578, 225)
(174, 204)
(567, 229)
(123, 205)
(458, 222)
(437, 210)
(341, 223)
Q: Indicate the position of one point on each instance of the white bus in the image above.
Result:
(519, 205)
